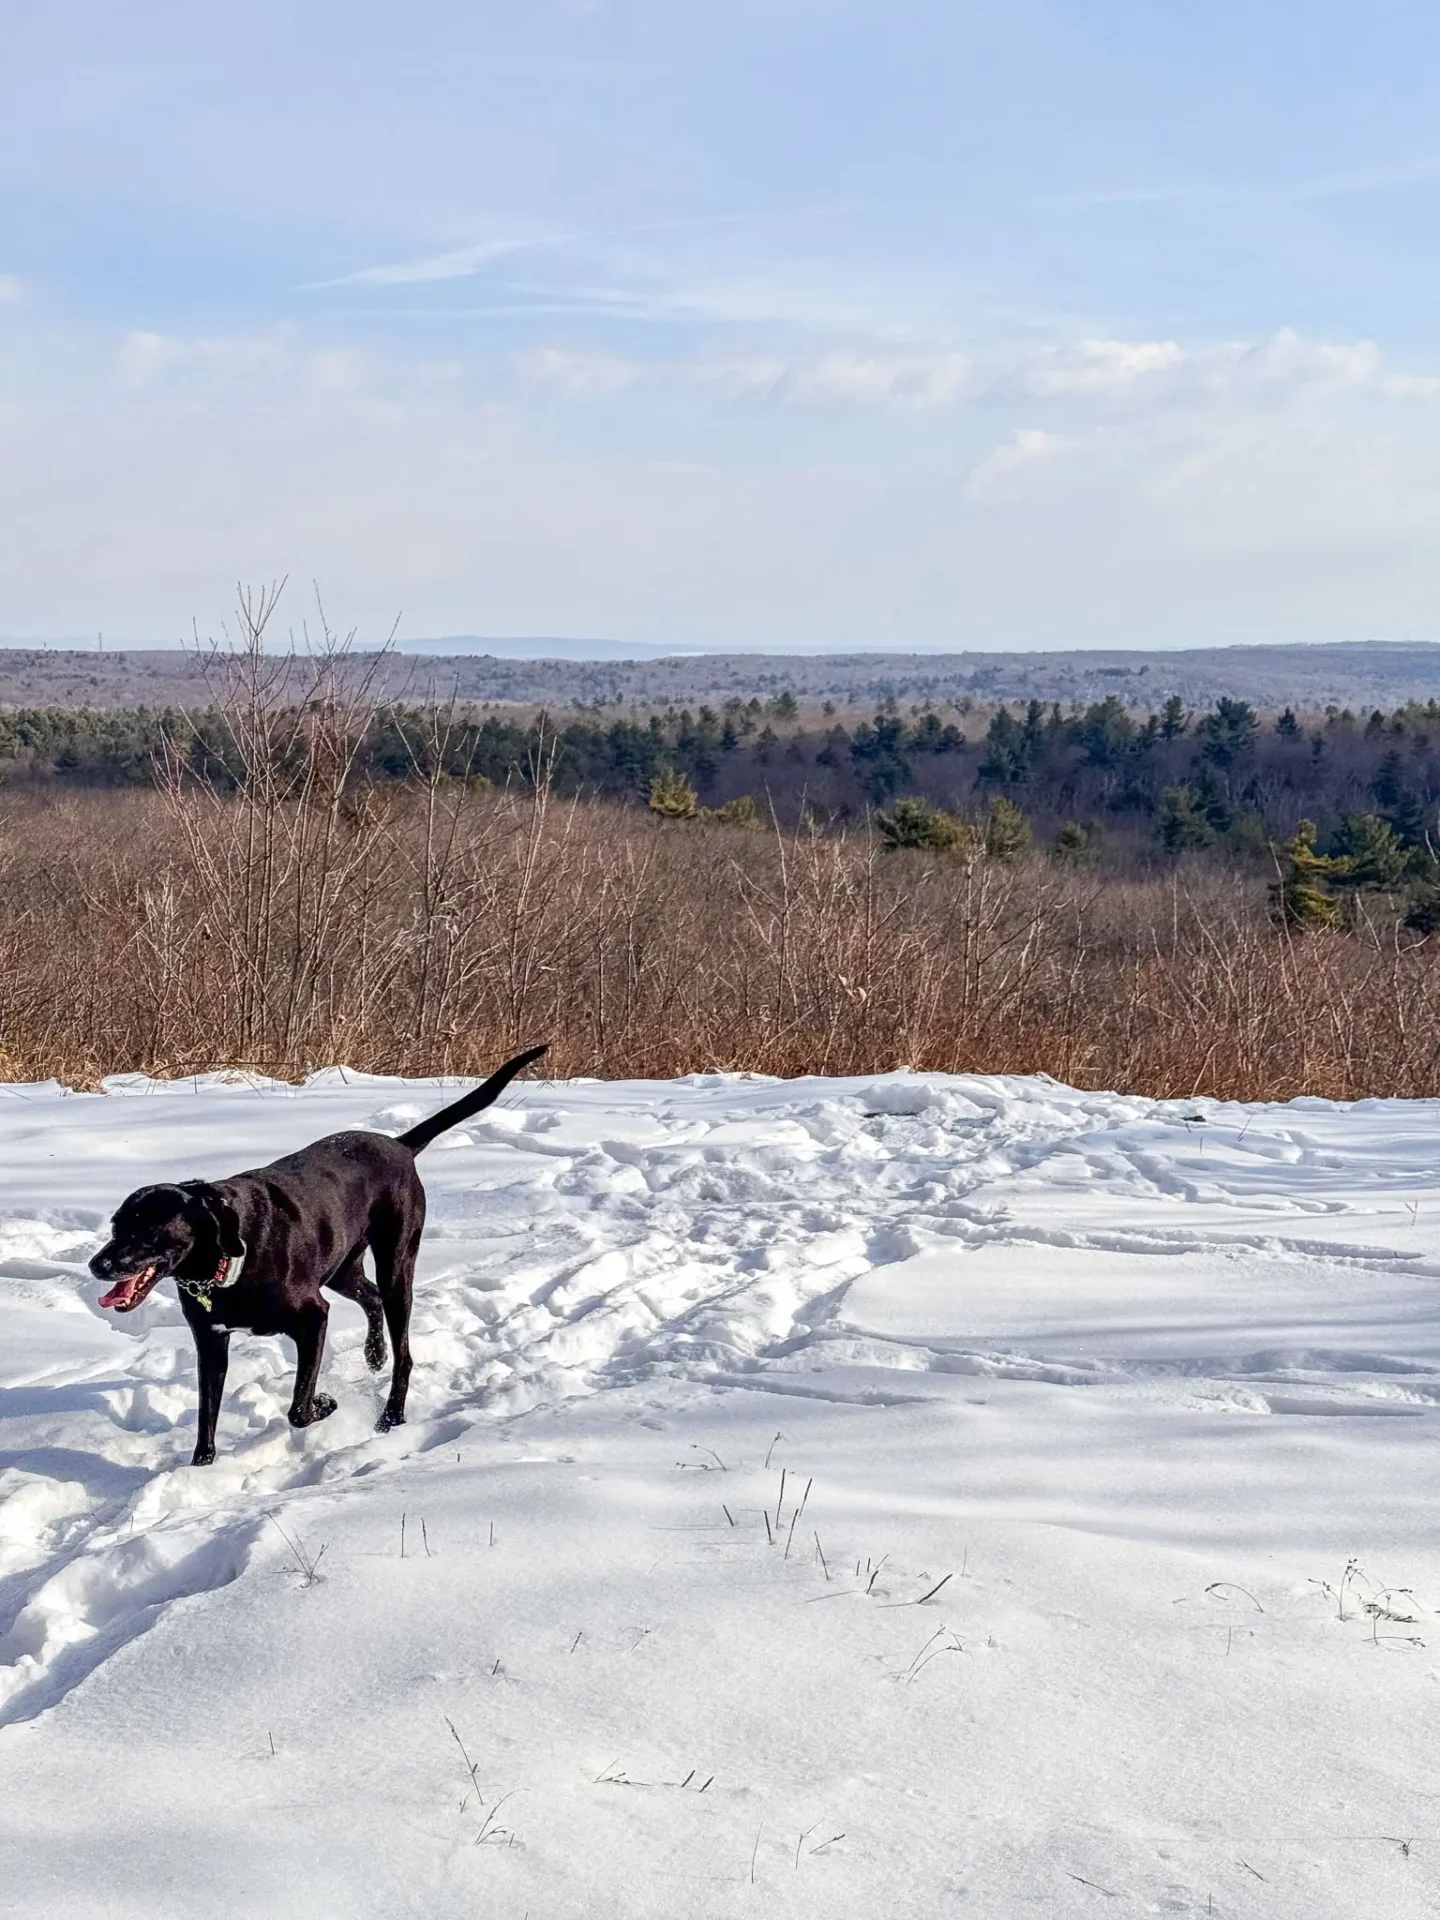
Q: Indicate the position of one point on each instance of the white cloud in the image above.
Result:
(914, 381)
(1284, 487)
(1288, 359)
(989, 478)
(12, 289)
(144, 357)
(269, 361)
(576, 375)
(1410, 386)
(1123, 380)
(458, 263)
(1100, 366)
(891, 380)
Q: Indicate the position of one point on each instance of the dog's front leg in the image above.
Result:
(307, 1330)
(212, 1350)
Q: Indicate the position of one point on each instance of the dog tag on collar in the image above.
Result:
(234, 1267)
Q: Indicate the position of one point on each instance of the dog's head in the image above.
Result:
(159, 1230)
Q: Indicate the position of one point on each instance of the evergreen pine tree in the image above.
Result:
(672, 796)
(1229, 731)
(1180, 821)
(1372, 859)
(1007, 831)
(913, 822)
(1410, 823)
(1174, 721)
(1300, 899)
(1072, 843)
(1424, 913)
(739, 812)
(1389, 781)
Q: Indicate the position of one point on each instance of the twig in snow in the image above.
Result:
(472, 1767)
(727, 1513)
(491, 1835)
(1235, 1587)
(1108, 1892)
(758, 1831)
(805, 1497)
(770, 1449)
(929, 1652)
(821, 1551)
(306, 1564)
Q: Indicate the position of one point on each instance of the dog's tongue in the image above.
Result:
(122, 1294)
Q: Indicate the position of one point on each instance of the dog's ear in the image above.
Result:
(221, 1215)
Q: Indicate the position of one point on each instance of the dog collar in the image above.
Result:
(225, 1275)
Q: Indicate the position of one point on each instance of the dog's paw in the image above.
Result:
(203, 1457)
(389, 1419)
(375, 1353)
(321, 1407)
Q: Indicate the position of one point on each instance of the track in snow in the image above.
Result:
(848, 1240)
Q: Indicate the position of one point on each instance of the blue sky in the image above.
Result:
(812, 322)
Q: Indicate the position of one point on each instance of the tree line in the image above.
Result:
(1099, 782)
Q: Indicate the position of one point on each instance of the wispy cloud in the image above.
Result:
(13, 289)
(458, 263)
(1100, 366)
(1155, 374)
(219, 362)
(1384, 177)
(990, 478)
(575, 375)
(917, 381)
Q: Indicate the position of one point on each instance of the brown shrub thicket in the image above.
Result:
(434, 929)
(284, 917)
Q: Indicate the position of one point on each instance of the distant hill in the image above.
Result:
(1355, 674)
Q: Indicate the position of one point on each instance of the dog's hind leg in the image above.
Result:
(395, 1243)
(307, 1330)
(350, 1282)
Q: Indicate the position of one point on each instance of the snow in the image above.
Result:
(1113, 1421)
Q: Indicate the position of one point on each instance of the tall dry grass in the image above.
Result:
(435, 928)
(277, 915)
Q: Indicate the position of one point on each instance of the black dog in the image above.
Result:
(255, 1250)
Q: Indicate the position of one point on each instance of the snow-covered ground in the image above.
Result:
(1104, 1576)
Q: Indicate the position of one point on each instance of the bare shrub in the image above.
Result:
(266, 909)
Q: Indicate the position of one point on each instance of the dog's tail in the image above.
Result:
(473, 1102)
